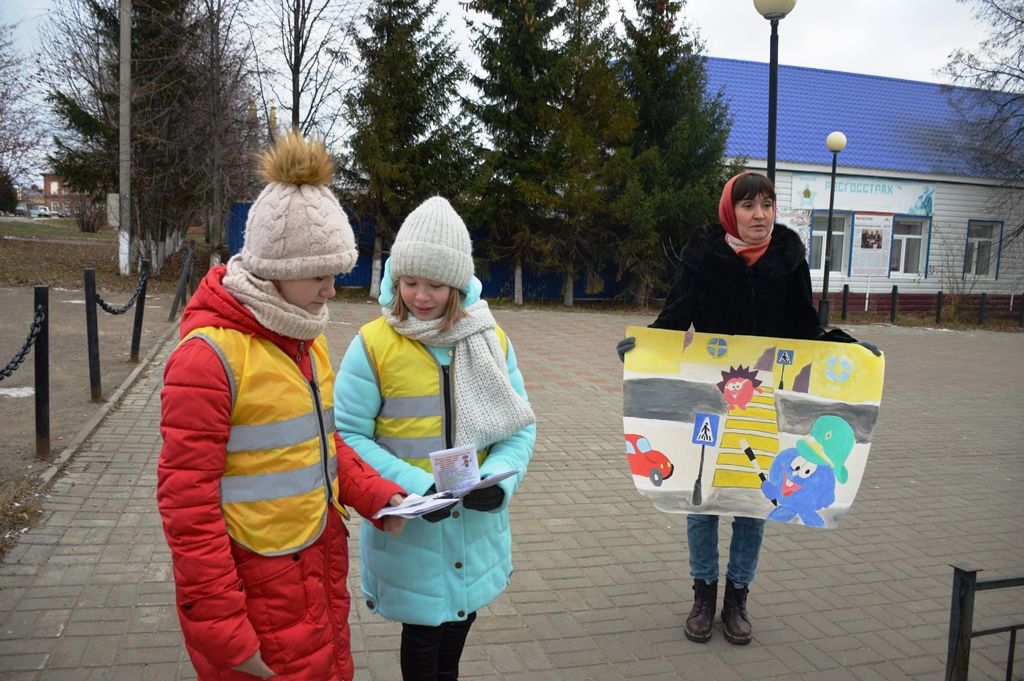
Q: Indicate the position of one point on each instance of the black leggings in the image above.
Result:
(433, 653)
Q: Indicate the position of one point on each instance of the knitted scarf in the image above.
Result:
(262, 298)
(487, 408)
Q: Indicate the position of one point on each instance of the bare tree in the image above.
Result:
(992, 109)
(227, 110)
(302, 62)
(21, 130)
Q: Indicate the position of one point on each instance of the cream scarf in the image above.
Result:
(487, 408)
(262, 298)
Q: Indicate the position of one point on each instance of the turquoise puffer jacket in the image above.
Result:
(432, 572)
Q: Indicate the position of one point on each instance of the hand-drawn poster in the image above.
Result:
(744, 425)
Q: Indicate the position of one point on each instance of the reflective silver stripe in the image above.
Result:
(329, 420)
(223, 360)
(411, 407)
(243, 488)
(411, 447)
(246, 438)
(369, 358)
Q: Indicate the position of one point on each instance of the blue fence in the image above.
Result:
(497, 277)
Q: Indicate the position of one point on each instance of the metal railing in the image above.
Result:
(92, 300)
(961, 620)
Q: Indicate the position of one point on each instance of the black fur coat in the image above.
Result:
(717, 292)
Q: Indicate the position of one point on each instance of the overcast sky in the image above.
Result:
(896, 38)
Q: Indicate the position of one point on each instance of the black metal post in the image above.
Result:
(42, 377)
(1009, 655)
(92, 335)
(938, 308)
(183, 279)
(981, 309)
(846, 301)
(893, 303)
(823, 303)
(773, 97)
(961, 621)
(1021, 321)
(140, 310)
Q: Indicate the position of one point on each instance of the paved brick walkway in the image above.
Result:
(601, 585)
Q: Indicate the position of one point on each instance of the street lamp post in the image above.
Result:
(773, 11)
(836, 142)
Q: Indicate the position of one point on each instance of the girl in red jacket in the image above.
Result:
(253, 480)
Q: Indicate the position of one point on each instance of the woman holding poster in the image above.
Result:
(745, 276)
(435, 373)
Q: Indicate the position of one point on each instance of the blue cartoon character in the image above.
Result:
(802, 479)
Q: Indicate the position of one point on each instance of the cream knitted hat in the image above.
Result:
(296, 228)
(433, 243)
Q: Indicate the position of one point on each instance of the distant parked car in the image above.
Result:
(646, 461)
(21, 211)
(39, 212)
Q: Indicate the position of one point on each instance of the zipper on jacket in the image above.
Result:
(324, 449)
(446, 389)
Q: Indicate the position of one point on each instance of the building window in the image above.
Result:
(907, 251)
(54, 207)
(981, 258)
(840, 244)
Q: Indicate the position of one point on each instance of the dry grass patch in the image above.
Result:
(21, 506)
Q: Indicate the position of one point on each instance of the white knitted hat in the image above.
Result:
(434, 243)
(296, 228)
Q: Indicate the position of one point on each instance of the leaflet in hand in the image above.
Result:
(414, 505)
(456, 471)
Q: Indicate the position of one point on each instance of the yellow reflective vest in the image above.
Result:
(280, 454)
(416, 415)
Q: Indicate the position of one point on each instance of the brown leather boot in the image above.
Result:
(702, 614)
(734, 614)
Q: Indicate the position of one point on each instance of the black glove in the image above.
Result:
(624, 346)
(486, 499)
(438, 515)
(870, 346)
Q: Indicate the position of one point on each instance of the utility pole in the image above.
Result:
(125, 141)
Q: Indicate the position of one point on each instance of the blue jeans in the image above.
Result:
(702, 535)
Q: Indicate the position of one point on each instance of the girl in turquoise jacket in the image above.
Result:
(433, 372)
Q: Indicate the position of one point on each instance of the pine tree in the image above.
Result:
(678, 169)
(596, 123)
(519, 88)
(410, 140)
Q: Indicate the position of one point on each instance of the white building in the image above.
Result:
(909, 209)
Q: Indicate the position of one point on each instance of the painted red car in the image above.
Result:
(645, 461)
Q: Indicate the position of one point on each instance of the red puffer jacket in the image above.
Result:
(293, 608)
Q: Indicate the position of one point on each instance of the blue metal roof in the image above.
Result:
(890, 123)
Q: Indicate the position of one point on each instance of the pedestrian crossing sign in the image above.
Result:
(784, 357)
(705, 429)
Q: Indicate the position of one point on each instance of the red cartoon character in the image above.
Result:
(738, 386)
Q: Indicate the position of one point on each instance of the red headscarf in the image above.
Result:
(750, 253)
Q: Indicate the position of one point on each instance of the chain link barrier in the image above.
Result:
(19, 357)
(131, 301)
